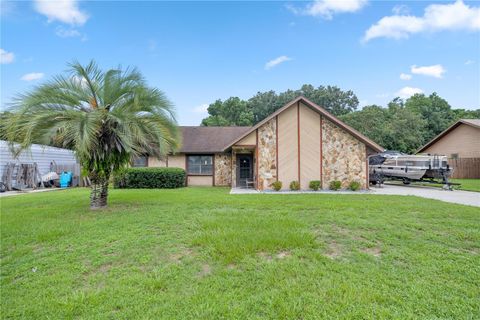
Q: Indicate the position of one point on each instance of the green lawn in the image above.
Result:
(465, 184)
(468, 184)
(199, 253)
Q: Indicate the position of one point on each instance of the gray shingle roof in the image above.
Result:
(208, 139)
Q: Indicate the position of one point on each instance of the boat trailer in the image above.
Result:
(421, 169)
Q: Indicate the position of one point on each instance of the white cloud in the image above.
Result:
(201, 108)
(327, 8)
(405, 76)
(437, 17)
(382, 95)
(275, 62)
(6, 57)
(435, 71)
(66, 11)
(401, 9)
(67, 33)
(468, 62)
(407, 92)
(32, 76)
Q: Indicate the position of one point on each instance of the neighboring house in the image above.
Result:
(299, 142)
(461, 143)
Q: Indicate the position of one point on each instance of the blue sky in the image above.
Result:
(197, 52)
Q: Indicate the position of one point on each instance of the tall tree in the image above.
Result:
(372, 121)
(405, 130)
(106, 117)
(332, 98)
(394, 128)
(231, 112)
(435, 110)
(466, 114)
(263, 104)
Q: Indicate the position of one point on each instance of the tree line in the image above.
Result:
(403, 125)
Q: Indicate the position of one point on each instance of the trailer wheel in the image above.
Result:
(406, 181)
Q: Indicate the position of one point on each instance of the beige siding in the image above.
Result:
(200, 181)
(177, 161)
(463, 140)
(287, 146)
(249, 140)
(155, 162)
(309, 146)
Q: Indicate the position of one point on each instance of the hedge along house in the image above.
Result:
(299, 142)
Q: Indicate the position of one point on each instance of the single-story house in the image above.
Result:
(299, 142)
(461, 144)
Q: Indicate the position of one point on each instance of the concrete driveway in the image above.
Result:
(456, 196)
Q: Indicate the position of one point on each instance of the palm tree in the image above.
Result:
(105, 117)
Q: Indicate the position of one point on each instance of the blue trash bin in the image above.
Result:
(65, 179)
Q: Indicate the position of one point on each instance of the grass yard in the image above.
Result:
(468, 184)
(200, 253)
(465, 184)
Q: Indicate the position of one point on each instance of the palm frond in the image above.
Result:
(105, 117)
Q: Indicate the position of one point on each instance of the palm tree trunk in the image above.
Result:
(99, 193)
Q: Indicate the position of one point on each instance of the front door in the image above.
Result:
(244, 169)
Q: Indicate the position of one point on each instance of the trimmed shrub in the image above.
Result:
(150, 178)
(354, 186)
(294, 186)
(335, 185)
(119, 179)
(314, 185)
(277, 185)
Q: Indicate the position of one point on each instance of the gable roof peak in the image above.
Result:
(318, 109)
(469, 122)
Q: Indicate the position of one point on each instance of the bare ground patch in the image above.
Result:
(101, 269)
(473, 251)
(283, 254)
(334, 250)
(266, 256)
(279, 255)
(374, 251)
(231, 266)
(206, 270)
(179, 256)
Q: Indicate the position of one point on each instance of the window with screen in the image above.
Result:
(201, 165)
(140, 162)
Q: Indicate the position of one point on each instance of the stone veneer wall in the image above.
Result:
(344, 157)
(223, 169)
(234, 168)
(267, 162)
